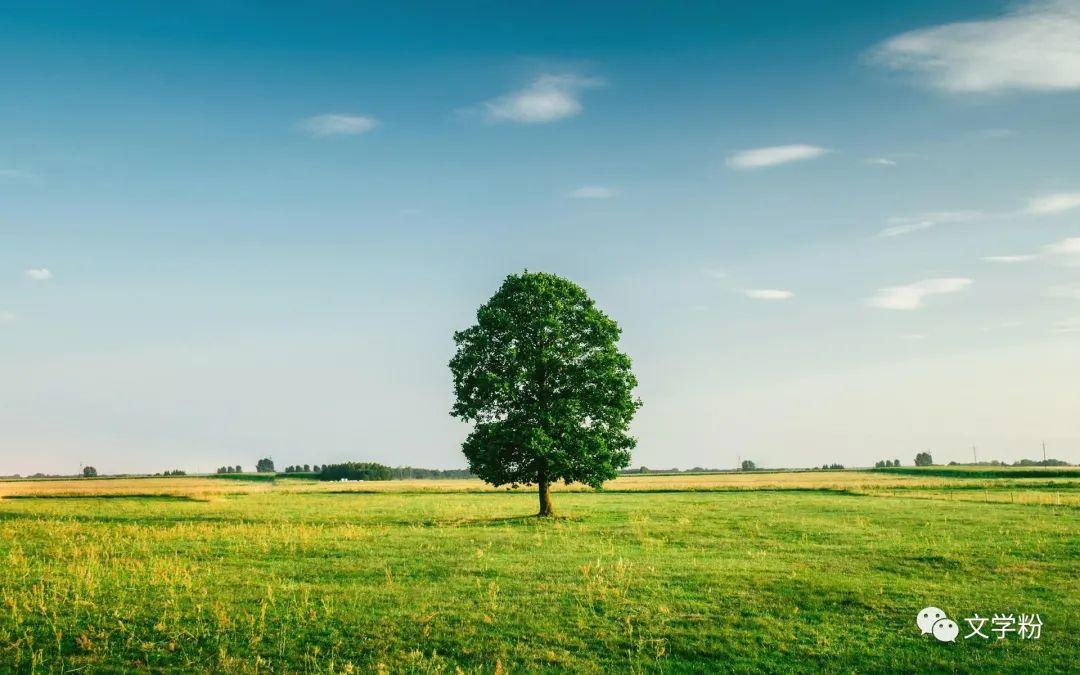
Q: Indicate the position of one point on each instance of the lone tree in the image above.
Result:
(89, 472)
(923, 459)
(265, 465)
(550, 395)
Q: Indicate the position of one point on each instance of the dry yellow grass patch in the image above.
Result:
(195, 487)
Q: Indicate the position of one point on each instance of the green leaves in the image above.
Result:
(541, 377)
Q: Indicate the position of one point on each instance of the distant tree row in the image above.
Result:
(174, 472)
(356, 471)
(645, 470)
(306, 468)
(352, 471)
(402, 472)
(1022, 462)
(831, 467)
(376, 471)
(885, 463)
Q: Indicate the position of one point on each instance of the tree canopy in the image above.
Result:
(541, 378)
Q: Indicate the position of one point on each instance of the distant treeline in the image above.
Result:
(1022, 462)
(376, 471)
(645, 469)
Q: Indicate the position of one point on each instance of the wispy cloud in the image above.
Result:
(6, 316)
(38, 274)
(1052, 204)
(759, 158)
(1043, 205)
(338, 124)
(1034, 47)
(549, 98)
(881, 161)
(906, 228)
(1066, 247)
(591, 192)
(768, 294)
(899, 226)
(1067, 250)
(911, 296)
(1023, 257)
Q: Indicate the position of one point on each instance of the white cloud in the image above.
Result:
(1069, 246)
(38, 274)
(1067, 250)
(1034, 47)
(591, 192)
(907, 228)
(758, 158)
(1024, 257)
(768, 294)
(958, 216)
(907, 225)
(338, 124)
(5, 317)
(881, 161)
(1055, 203)
(911, 296)
(548, 99)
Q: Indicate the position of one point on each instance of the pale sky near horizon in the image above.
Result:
(831, 231)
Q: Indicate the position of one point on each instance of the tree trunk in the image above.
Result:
(545, 498)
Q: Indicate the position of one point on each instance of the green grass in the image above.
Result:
(675, 582)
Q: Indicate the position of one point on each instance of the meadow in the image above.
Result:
(762, 571)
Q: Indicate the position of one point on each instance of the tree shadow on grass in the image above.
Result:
(532, 519)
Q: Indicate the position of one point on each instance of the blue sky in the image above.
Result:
(832, 232)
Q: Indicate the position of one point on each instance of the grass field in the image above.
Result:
(718, 572)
